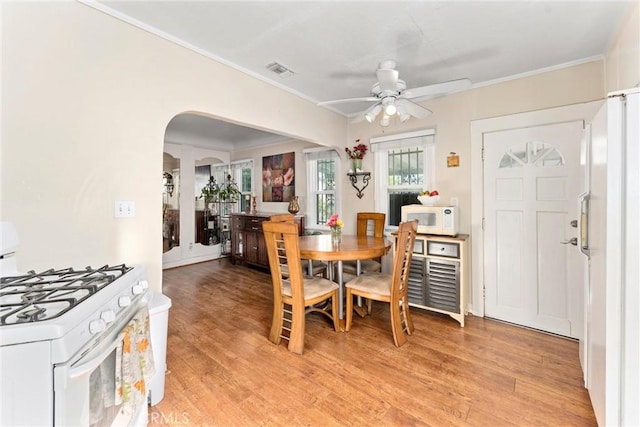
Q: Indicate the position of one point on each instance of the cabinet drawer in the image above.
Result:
(238, 223)
(253, 224)
(445, 249)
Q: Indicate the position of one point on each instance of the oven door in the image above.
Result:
(87, 389)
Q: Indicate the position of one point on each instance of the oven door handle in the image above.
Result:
(95, 361)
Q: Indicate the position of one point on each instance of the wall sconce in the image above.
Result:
(353, 177)
(453, 160)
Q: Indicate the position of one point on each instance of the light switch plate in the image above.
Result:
(124, 209)
(454, 201)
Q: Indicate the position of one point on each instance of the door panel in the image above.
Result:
(530, 197)
(509, 283)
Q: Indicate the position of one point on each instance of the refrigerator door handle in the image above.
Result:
(584, 223)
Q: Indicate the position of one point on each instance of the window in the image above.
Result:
(407, 160)
(323, 169)
(242, 173)
(539, 154)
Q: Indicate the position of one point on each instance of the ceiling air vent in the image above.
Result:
(280, 69)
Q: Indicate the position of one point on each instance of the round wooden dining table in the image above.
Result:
(351, 248)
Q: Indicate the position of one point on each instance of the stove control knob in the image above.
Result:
(97, 325)
(144, 284)
(124, 301)
(137, 289)
(108, 316)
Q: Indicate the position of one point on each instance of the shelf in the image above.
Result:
(353, 177)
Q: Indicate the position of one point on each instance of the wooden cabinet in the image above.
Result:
(438, 276)
(247, 240)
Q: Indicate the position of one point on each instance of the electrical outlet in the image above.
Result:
(125, 209)
(454, 201)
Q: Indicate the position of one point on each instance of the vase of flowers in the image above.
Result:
(335, 224)
(356, 154)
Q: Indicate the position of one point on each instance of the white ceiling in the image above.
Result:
(335, 47)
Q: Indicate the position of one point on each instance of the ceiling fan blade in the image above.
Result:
(437, 89)
(342, 101)
(413, 109)
(388, 80)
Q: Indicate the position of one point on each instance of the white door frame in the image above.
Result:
(584, 111)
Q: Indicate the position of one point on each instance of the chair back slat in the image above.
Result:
(282, 218)
(402, 261)
(370, 224)
(281, 240)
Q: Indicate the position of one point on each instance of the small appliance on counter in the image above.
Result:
(438, 220)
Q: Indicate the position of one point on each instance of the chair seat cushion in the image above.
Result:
(313, 287)
(373, 283)
(366, 266)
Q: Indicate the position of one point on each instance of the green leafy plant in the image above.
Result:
(229, 191)
(210, 191)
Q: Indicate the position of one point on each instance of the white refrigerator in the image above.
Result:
(612, 235)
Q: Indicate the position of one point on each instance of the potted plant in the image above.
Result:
(210, 192)
(229, 191)
(356, 154)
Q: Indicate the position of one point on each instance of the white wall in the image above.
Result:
(85, 103)
(623, 55)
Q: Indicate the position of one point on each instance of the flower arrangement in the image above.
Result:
(357, 152)
(335, 222)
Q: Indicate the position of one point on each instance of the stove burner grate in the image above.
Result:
(41, 296)
(31, 314)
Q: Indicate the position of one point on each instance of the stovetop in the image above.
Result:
(34, 297)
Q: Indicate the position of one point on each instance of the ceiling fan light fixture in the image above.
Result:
(372, 112)
(389, 104)
(385, 120)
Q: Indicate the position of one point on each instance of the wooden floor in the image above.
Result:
(222, 369)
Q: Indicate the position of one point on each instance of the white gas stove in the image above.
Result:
(61, 334)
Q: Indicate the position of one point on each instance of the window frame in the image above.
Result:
(381, 147)
(237, 166)
(313, 155)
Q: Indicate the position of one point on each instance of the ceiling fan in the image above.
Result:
(392, 97)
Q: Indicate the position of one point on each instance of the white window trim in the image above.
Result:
(380, 147)
(312, 155)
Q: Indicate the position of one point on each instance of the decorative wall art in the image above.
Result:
(453, 160)
(278, 177)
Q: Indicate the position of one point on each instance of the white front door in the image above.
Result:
(533, 272)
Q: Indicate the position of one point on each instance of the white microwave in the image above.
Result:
(441, 220)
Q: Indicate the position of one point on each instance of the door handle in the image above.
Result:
(573, 241)
(584, 201)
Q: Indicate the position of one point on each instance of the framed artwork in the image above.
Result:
(278, 177)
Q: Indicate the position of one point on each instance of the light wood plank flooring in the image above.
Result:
(223, 370)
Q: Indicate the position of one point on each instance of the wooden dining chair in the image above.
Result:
(318, 268)
(364, 219)
(294, 295)
(391, 288)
